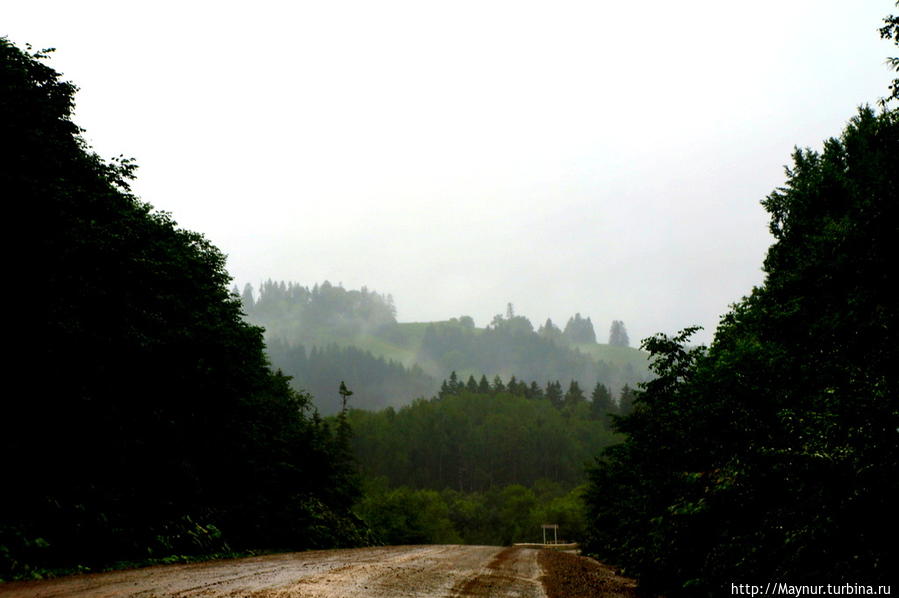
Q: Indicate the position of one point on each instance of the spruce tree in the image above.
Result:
(550, 331)
(618, 334)
(601, 401)
(554, 393)
(574, 395)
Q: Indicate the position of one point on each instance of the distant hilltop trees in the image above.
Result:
(295, 312)
(579, 330)
(618, 334)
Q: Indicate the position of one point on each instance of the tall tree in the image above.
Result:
(247, 298)
(550, 331)
(601, 401)
(454, 385)
(626, 400)
(618, 334)
(574, 395)
(554, 394)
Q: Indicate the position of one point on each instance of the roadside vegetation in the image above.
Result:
(152, 424)
(773, 454)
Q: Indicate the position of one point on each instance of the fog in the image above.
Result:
(563, 156)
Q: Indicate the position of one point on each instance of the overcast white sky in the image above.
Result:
(606, 158)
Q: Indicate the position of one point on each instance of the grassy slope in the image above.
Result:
(405, 347)
(622, 356)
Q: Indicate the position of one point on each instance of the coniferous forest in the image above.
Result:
(166, 415)
(482, 462)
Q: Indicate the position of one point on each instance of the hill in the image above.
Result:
(324, 334)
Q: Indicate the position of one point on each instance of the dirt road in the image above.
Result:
(386, 572)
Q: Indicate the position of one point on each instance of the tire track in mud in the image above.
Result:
(568, 575)
(514, 572)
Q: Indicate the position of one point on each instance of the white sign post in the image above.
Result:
(555, 528)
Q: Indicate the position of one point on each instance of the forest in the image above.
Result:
(166, 416)
(481, 463)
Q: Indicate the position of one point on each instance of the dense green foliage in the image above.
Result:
(481, 463)
(151, 424)
(774, 454)
(499, 516)
(472, 440)
(890, 30)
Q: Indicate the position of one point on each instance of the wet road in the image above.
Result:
(383, 572)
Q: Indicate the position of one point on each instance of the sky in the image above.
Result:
(604, 158)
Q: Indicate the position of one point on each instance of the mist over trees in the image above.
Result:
(324, 334)
(378, 382)
(490, 456)
(295, 313)
(550, 331)
(510, 347)
(154, 425)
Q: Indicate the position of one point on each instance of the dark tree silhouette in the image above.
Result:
(618, 334)
(772, 454)
(152, 424)
(579, 330)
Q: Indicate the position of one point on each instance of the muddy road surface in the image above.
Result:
(384, 572)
